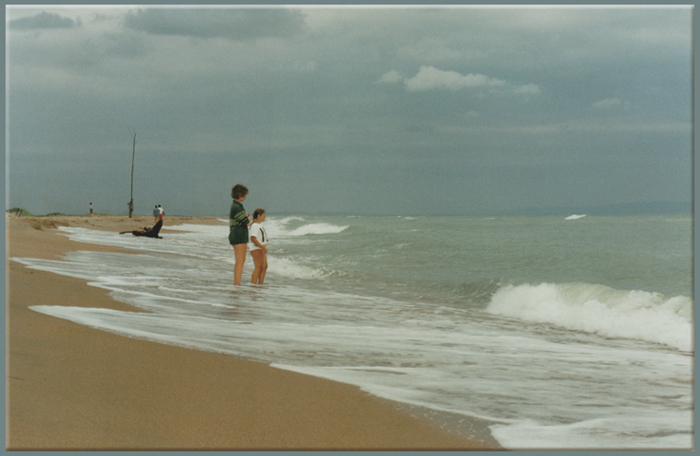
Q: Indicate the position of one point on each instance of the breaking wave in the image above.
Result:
(599, 309)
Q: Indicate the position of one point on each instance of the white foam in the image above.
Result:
(546, 384)
(296, 227)
(599, 309)
(290, 269)
(605, 432)
(316, 228)
(289, 219)
(575, 217)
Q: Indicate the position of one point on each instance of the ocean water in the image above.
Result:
(564, 332)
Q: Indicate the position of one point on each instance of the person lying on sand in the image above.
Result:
(148, 231)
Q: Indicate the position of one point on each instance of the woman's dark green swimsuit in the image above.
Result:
(238, 223)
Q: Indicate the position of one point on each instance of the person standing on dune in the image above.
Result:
(238, 226)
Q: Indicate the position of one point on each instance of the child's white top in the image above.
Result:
(257, 230)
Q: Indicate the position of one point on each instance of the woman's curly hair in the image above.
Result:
(239, 191)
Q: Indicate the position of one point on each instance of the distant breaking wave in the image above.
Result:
(316, 228)
(281, 228)
(575, 217)
(599, 309)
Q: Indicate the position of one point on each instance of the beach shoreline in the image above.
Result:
(72, 387)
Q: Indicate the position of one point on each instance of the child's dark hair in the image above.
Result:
(258, 212)
(239, 191)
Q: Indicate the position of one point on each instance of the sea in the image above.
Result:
(561, 332)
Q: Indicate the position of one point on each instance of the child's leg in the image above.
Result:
(258, 260)
(263, 268)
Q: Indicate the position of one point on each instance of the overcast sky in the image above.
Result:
(401, 110)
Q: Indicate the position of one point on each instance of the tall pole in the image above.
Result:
(133, 155)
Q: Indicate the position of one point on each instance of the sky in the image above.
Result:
(405, 110)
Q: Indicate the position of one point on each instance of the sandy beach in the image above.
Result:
(71, 387)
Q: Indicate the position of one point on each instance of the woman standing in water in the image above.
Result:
(238, 235)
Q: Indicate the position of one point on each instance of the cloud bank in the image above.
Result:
(430, 78)
(610, 103)
(235, 24)
(381, 110)
(43, 21)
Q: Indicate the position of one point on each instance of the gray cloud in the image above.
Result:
(43, 20)
(610, 103)
(235, 24)
(374, 110)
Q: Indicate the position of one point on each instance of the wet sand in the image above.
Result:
(71, 387)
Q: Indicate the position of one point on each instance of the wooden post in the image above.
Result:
(133, 154)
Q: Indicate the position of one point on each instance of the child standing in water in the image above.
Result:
(238, 235)
(258, 246)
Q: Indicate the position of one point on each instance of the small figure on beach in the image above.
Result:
(258, 246)
(90, 208)
(148, 231)
(156, 214)
(161, 212)
(238, 226)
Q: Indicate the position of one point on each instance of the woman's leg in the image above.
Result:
(258, 260)
(240, 251)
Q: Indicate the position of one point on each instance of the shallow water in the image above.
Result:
(566, 333)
